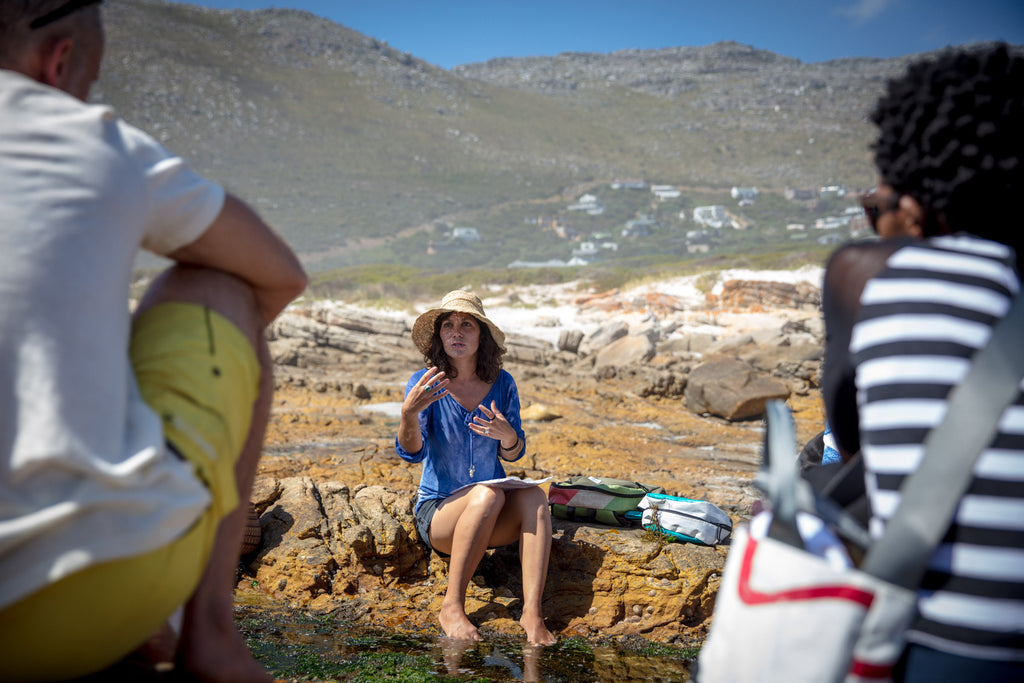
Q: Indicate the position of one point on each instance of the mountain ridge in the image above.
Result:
(359, 152)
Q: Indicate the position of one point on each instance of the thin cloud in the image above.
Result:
(864, 11)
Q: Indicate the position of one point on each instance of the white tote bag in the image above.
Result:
(785, 614)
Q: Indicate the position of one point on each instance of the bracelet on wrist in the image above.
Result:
(512, 447)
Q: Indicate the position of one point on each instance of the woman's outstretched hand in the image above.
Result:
(431, 386)
(494, 425)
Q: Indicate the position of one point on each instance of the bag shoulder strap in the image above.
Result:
(974, 409)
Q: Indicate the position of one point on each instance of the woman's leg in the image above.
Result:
(467, 524)
(526, 517)
(462, 527)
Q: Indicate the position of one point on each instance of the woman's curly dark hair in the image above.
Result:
(488, 354)
(950, 136)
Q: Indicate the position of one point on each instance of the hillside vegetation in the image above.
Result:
(361, 154)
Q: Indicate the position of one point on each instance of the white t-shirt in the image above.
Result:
(84, 474)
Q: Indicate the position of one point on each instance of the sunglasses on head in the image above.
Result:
(875, 205)
(59, 13)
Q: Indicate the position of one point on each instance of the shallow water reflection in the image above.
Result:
(296, 646)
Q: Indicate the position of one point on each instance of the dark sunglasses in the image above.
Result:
(67, 8)
(874, 206)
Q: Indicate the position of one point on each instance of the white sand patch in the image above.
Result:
(543, 312)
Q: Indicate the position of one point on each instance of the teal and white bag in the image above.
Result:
(684, 519)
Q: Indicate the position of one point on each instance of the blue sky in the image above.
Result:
(451, 32)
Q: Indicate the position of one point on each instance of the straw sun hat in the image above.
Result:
(457, 301)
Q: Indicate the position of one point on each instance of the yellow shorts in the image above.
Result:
(200, 374)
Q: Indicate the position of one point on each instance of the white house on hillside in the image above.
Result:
(665, 192)
(590, 249)
(466, 234)
(712, 216)
(588, 203)
(832, 191)
(628, 184)
(639, 227)
(801, 194)
(832, 222)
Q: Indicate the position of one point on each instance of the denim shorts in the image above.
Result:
(424, 515)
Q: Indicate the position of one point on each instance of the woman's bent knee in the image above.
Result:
(486, 497)
(532, 498)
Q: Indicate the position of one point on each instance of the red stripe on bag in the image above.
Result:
(866, 670)
(755, 597)
(560, 496)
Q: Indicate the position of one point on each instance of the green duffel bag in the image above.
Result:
(598, 499)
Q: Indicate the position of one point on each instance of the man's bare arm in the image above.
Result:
(240, 243)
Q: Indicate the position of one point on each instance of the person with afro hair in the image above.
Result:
(903, 318)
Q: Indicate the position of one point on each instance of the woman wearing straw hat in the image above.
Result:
(460, 418)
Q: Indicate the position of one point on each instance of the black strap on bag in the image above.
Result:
(974, 409)
(843, 483)
(790, 493)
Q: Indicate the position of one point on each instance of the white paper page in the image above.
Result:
(506, 483)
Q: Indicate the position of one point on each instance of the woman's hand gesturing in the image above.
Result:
(430, 387)
(494, 425)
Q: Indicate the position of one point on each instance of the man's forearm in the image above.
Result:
(240, 243)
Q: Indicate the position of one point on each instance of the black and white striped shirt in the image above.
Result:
(921, 320)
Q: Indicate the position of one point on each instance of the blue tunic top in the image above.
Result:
(452, 455)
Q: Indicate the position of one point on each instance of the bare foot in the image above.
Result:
(536, 632)
(456, 624)
(158, 652)
(217, 654)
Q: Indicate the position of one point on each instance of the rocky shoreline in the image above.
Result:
(656, 388)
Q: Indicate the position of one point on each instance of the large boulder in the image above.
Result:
(605, 581)
(662, 382)
(328, 329)
(628, 350)
(569, 340)
(526, 350)
(603, 336)
(758, 293)
(538, 412)
(328, 548)
(361, 320)
(321, 540)
(731, 389)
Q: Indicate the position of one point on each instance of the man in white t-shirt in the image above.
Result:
(126, 442)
